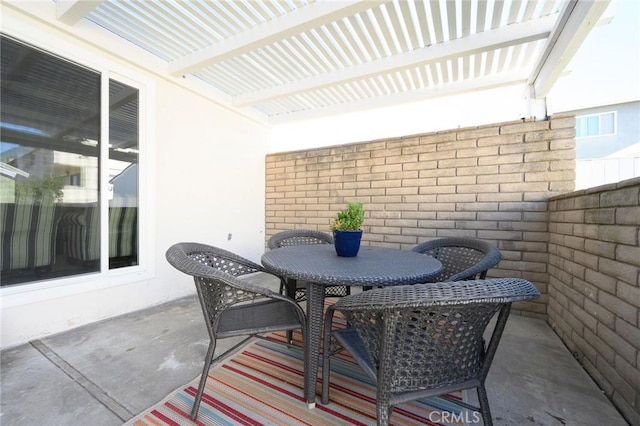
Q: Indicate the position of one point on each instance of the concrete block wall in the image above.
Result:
(594, 285)
(491, 182)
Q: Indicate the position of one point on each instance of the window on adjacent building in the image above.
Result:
(596, 125)
(74, 179)
(69, 167)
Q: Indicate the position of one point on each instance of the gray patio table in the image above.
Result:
(319, 265)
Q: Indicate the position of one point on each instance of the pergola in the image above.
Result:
(284, 60)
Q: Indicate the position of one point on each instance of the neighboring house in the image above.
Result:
(8, 174)
(80, 172)
(607, 144)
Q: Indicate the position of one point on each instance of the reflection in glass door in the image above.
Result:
(123, 175)
(51, 168)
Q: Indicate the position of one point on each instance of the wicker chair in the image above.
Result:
(297, 289)
(461, 258)
(424, 340)
(231, 305)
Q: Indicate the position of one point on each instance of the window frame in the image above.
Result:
(31, 292)
(599, 115)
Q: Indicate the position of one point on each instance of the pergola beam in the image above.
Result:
(473, 44)
(72, 11)
(311, 16)
(576, 21)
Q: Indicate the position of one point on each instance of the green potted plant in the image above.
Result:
(347, 229)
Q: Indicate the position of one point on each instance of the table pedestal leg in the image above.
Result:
(315, 311)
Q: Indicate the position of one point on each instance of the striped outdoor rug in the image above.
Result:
(262, 384)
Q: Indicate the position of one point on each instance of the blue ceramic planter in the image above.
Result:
(347, 243)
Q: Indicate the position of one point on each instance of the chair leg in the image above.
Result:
(383, 393)
(383, 411)
(325, 379)
(484, 405)
(291, 285)
(326, 356)
(203, 380)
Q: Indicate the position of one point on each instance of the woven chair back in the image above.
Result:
(298, 237)
(461, 258)
(430, 346)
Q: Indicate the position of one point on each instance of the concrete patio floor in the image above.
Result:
(106, 373)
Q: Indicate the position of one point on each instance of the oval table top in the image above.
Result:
(373, 266)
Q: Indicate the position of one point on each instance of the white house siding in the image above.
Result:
(618, 145)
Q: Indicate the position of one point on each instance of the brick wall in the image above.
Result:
(594, 287)
(491, 182)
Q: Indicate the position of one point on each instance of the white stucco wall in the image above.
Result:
(207, 180)
(438, 113)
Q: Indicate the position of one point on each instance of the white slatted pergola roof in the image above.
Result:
(290, 59)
